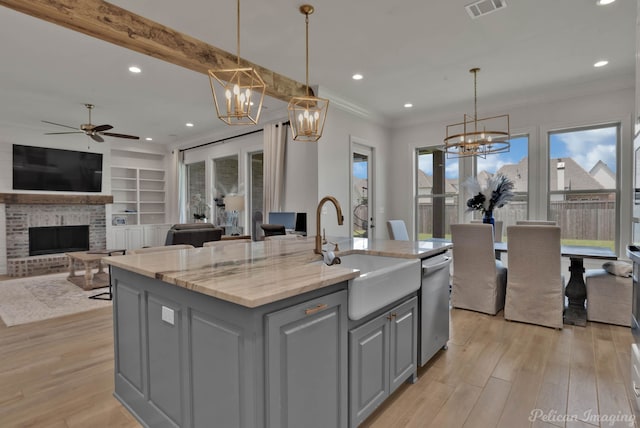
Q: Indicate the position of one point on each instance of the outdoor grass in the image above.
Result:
(583, 242)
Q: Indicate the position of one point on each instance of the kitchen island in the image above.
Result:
(247, 335)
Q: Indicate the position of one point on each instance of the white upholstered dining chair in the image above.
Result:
(535, 223)
(479, 280)
(397, 230)
(535, 286)
(497, 230)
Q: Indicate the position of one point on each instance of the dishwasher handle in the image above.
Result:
(430, 268)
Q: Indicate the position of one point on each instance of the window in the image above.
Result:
(514, 165)
(225, 182)
(583, 184)
(196, 191)
(256, 189)
(436, 200)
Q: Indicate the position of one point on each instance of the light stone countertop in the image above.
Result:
(254, 274)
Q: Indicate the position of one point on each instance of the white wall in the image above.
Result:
(301, 180)
(334, 168)
(537, 120)
(69, 143)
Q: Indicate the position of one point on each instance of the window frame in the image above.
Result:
(617, 191)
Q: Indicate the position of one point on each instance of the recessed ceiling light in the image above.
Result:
(135, 69)
(357, 76)
(601, 63)
(604, 2)
(149, 139)
(408, 105)
(189, 124)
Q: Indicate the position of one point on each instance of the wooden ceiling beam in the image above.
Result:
(113, 24)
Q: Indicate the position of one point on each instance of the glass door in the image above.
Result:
(361, 190)
(225, 183)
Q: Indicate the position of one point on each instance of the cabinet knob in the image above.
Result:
(316, 309)
(391, 316)
(636, 390)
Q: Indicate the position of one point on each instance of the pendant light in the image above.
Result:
(238, 93)
(477, 137)
(307, 114)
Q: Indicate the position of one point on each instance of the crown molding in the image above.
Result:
(348, 106)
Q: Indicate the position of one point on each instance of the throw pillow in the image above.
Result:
(618, 268)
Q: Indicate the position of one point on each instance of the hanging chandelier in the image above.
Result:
(238, 93)
(477, 137)
(307, 114)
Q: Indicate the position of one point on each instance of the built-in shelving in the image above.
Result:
(138, 196)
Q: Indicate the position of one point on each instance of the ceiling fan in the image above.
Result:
(93, 131)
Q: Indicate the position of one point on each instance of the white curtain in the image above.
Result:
(275, 139)
(178, 212)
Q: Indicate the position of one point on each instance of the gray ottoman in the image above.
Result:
(608, 297)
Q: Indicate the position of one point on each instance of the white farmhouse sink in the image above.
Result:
(382, 281)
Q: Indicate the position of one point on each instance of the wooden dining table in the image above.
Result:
(575, 312)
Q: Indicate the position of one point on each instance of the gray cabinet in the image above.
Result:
(306, 358)
(189, 360)
(382, 354)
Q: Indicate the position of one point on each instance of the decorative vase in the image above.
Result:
(488, 218)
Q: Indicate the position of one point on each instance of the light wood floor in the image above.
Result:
(59, 373)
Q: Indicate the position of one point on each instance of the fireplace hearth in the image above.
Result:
(29, 211)
(58, 239)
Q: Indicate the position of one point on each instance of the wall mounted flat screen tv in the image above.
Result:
(41, 168)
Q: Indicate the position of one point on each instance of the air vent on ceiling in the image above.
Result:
(483, 7)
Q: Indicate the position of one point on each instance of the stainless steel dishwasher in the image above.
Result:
(434, 306)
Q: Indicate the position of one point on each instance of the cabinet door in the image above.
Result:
(164, 339)
(368, 368)
(403, 358)
(119, 234)
(306, 362)
(134, 238)
(155, 235)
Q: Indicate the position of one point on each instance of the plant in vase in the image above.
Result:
(497, 193)
(199, 208)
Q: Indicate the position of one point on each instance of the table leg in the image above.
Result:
(576, 291)
(72, 269)
(88, 276)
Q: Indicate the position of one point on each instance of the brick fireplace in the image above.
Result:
(24, 211)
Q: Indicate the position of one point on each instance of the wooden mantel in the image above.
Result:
(54, 199)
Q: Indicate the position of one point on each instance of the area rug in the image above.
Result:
(38, 298)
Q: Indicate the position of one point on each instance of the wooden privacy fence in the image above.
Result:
(592, 220)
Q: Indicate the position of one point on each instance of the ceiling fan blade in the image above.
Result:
(59, 133)
(59, 124)
(96, 137)
(111, 134)
(101, 128)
